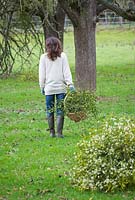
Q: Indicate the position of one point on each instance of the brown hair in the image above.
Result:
(53, 47)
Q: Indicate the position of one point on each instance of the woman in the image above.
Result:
(54, 77)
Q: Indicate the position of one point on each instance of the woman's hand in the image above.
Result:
(42, 91)
(72, 89)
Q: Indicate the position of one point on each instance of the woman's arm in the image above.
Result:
(66, 71)
(42, 71)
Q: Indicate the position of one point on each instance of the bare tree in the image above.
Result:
(51, 14)
(15, 43)
(52, 21)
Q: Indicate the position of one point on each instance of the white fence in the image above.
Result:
(107, 19)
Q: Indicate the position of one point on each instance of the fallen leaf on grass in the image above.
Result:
(66, 173)
(20, 111)
(63, 198)
(42, 192)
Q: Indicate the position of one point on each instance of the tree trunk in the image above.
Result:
(85, 49)
(54, 25)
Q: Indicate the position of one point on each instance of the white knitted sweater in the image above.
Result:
(54, 76)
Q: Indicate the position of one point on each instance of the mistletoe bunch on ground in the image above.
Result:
(105, 159)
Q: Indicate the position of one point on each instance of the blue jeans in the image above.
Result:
(50, 104)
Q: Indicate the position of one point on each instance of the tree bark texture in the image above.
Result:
(83, 18)
(85, 48)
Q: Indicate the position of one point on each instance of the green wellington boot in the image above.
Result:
(60, 123)
(51, 126)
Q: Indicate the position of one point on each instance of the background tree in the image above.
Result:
(15, 43)
(83, 16)
(53, 19)
(51, 14)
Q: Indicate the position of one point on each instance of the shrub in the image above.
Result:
(106, 158)
(80, 104)
(29, 75)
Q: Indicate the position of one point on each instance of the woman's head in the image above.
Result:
(53, 47)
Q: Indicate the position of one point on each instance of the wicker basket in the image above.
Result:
(77, 117)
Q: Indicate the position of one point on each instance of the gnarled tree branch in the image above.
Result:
(72, 14)
(126, 14)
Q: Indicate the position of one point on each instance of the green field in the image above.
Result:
(35, 166)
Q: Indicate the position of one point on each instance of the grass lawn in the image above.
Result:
(35, 166)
